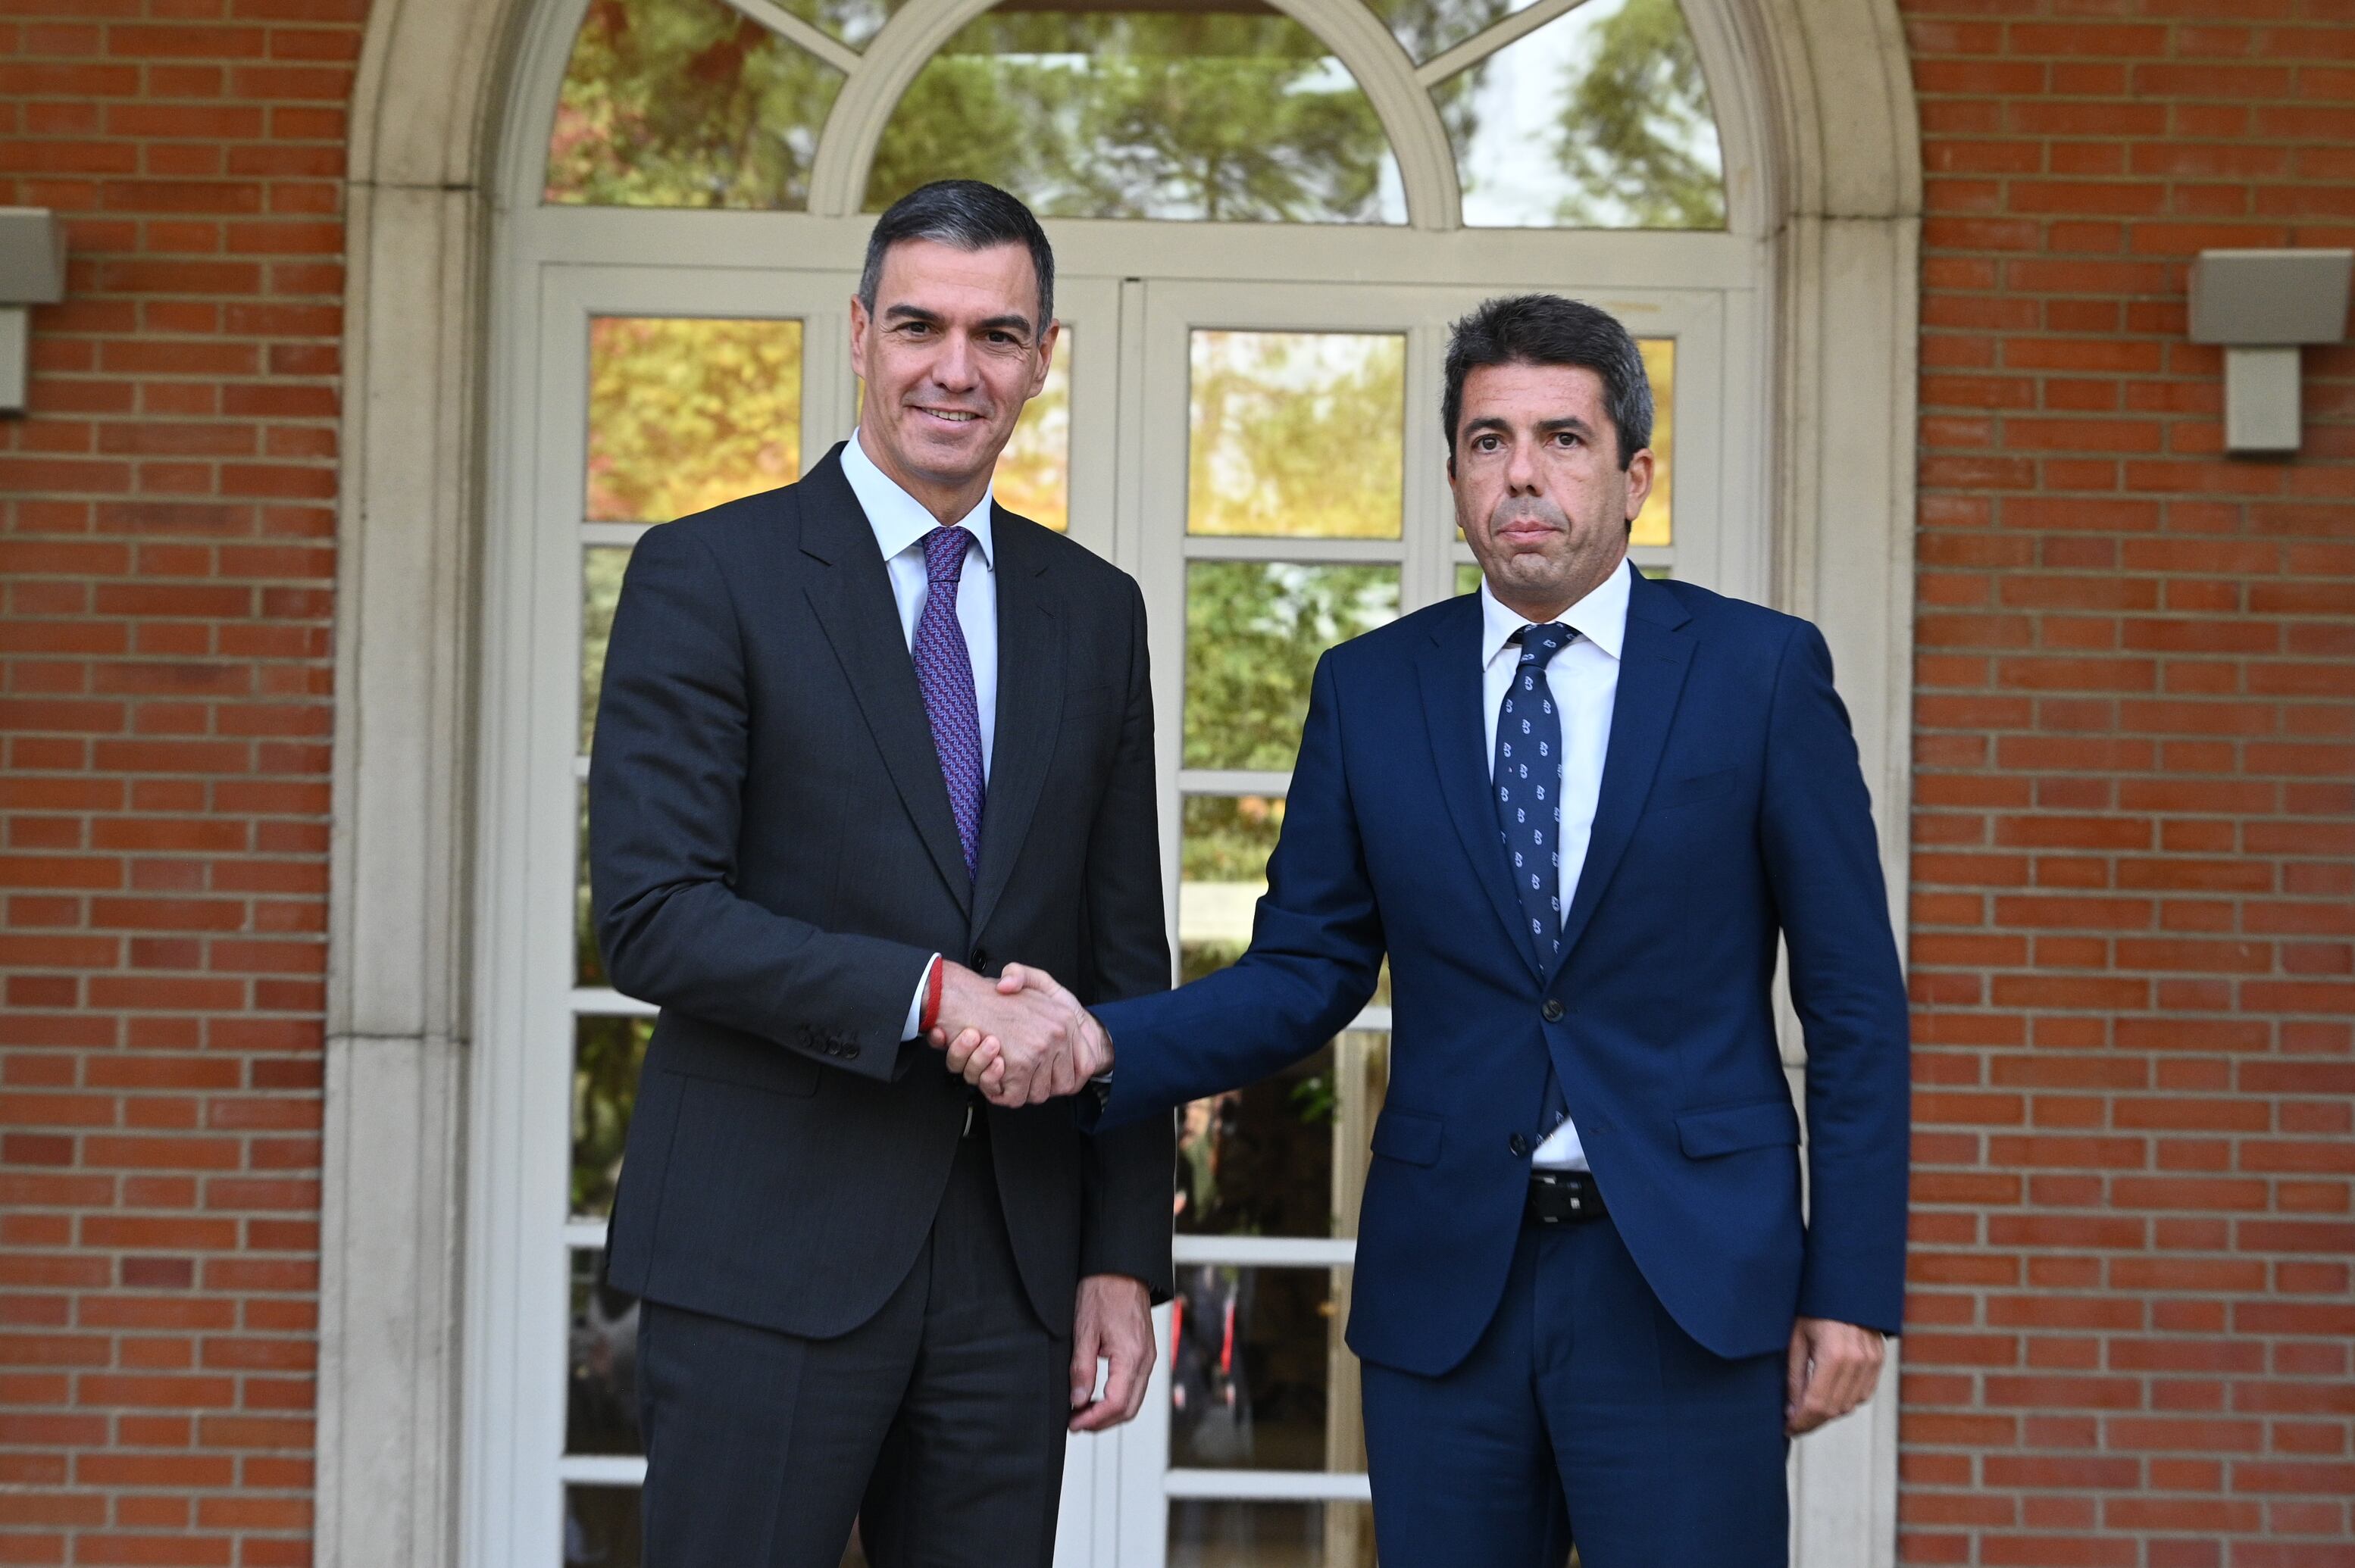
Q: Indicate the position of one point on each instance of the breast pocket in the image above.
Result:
(1692, 791)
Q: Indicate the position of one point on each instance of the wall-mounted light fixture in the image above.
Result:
(32, 272)
(2261, 305)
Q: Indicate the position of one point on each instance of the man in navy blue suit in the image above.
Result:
(1577, 811)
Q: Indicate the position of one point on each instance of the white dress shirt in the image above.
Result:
(901, 524)
(1584, 682)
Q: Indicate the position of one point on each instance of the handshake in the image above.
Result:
(1021, 1040)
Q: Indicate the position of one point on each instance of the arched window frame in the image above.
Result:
(878, 74)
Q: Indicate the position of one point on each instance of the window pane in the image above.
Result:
(607, 1054)
(1227, 1532)
(1598, 119)
(600, 1527)
(687, 412)
(1287, 1155)
(1296, 434)
(1221, 872)
(1100, 109)
(686, 103)
(1427, 27)
(1254, 1353)
(1253, 630)
(602, 568)
(588, 963)
(601, 1398)
(1654, 525)
(1034, 472)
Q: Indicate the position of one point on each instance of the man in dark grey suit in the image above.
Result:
(862, 740)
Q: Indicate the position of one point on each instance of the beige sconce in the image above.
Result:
(32, 272)
(2262, 305)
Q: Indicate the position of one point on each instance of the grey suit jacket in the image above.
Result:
(772, 862)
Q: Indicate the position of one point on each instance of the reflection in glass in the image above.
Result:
(601, 569)
(1598, 119)
(687, 412)
(1221, 872)
(1285, 1156)
(689, 103)
(1227, 1532)
(1656, 523)
(600, 1527)
(1426, 27)
(1100, 109)
(1251, 1353)
(1295, 434)
(607, 1053)
(1259, 1161)
(600, 1400)
(1253, 630)
(1034, 472)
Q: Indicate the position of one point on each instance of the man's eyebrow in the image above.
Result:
(1570, 422)
(1012, 322)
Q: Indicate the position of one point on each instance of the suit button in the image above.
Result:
(980, 964)
(1552, 1010)
(1517, 1144)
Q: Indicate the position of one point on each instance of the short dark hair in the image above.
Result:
(971, 216)
(1546, 329)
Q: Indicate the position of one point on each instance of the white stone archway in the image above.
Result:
(1817, 91)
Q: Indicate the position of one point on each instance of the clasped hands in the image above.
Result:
(1022, 1039)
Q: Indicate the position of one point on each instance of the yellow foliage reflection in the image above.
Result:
(684, 413)
(1296, 435)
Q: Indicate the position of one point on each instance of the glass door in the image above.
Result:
(1265, 458)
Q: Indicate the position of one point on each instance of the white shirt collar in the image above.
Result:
(899, 519)
(1601, 617)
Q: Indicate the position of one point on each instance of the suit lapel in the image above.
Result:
(852, 601)
(1652, 665)
(1452, 700)
(1030, 706)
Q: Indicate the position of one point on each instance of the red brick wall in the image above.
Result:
(167, 561)
(2134, 879)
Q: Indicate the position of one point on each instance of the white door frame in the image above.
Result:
(1823, 162)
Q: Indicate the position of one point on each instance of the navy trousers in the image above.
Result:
(1583, 1414)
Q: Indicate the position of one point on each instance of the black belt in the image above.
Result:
(1563, 1198)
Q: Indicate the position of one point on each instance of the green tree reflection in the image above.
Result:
(1637, 133)
(1207, 116)
(684, 104)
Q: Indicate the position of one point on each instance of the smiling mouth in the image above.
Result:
(951, 415)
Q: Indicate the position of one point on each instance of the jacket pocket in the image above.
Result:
(1408, 1137)
(1724, 1130)
(770, 1067)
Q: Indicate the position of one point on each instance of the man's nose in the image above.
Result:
(1521, 469)
(953, 366)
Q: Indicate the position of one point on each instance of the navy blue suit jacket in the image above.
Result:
(1732, 812)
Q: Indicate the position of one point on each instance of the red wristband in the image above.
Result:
(931, 1013)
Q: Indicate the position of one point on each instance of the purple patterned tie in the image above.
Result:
(944, 668)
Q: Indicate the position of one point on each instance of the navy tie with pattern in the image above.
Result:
(1527, 782)
(945, 671)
